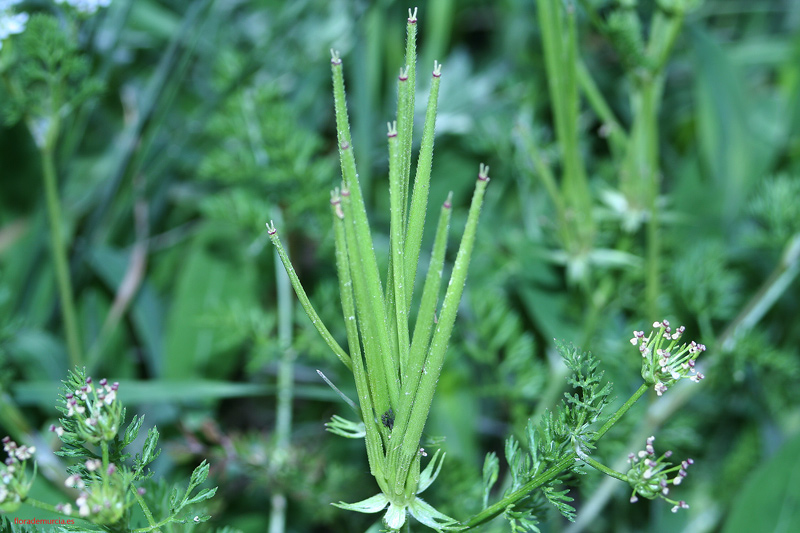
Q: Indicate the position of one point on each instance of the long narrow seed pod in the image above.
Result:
(304, 301)
(398, 274)
(375, 454)
(422, 329)
(444, 328)
(422, 181)
(405, 105)
(373, 356)
(368, 266)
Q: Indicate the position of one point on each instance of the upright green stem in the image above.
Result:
(648, 150)
(59, 249)
(283, 426)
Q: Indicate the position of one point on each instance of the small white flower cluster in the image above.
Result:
(14, 484)
(105, 503)
(11, 23)
(86, 6)
(664, 364)
(650, 477)
(96, 411)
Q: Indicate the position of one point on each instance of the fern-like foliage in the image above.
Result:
(625, 32)
(560, 433)
(774, 210)
(584, 406)
(48, 58)
(260, 151)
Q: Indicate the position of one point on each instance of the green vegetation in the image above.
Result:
(645, 166)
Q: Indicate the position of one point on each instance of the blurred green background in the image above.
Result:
(217, 116)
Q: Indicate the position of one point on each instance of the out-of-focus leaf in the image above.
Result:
(205, 282)
(738, 142)
(770, 500)
(146, 311)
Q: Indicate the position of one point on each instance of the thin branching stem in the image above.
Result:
(551, 473)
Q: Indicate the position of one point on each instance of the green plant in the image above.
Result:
(396, 374)
(109, 480)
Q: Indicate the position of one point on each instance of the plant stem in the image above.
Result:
(41, 505)
(59, 250)
(145, 509)
(283, 426)
(622, 410)
(552, 472)
(600, 466)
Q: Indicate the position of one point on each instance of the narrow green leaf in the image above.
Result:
(133, 430)
(203, 495)
(374, 504)
(199, 475)
(431, 471)
(431, 517)
(346, 428)
(150, 450)
(491, 470)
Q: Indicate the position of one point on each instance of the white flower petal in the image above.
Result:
(428, 515)
(395, 517)
(430, 473)
(370, 505)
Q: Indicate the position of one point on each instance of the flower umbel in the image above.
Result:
(651, 477)
(663, 364)
(93, 410)
(14, 483)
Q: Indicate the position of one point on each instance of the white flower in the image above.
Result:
(83, 507)
(10, 23)
(74, 481)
